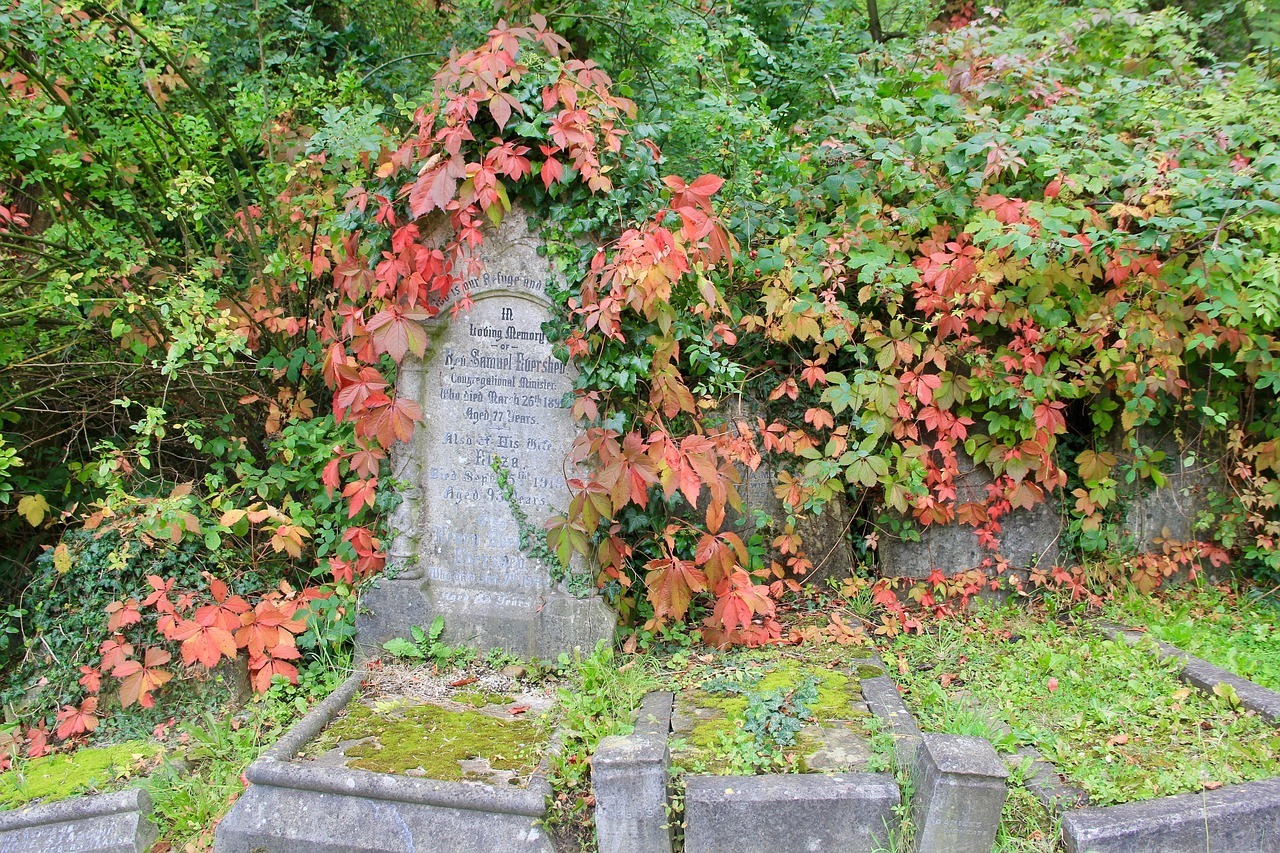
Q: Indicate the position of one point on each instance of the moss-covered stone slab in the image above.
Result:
(89, 770)
(403, 761)
(771, 713)
(453, 727)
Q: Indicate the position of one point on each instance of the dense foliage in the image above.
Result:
(1041, 239)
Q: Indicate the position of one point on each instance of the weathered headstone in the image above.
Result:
(825, 535)
(489, 388)
(1156, 514)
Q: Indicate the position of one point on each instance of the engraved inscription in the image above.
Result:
(492, 389)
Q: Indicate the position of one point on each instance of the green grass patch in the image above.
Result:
(1226, 628)
(89, 770)
(1116, 721)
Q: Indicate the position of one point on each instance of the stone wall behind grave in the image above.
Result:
(1028, 538)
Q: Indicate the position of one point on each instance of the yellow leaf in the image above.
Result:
(33, 508)
(62, 559)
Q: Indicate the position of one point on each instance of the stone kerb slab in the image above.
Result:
(1234, 817)
(885, 702)
(292, 806)
(849, 812)
(629, 778)
(490, 388)
(1203, 675)
(102, 823)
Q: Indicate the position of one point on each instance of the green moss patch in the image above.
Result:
(761, 712)
(432, 741)
(91, 769)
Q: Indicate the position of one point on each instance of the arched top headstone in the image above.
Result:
(490, 389)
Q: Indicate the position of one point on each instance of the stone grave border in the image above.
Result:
(335, 808)
(1201, 674)
(960, 782)
(631, 784)
(1233, 817)
(118, 822)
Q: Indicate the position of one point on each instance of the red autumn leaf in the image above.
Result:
(140, 679)
(204, 641)
(122, 614)
(820, 418)
(37, 741)
(436, 187)
(225, 612)
(698, 194)
(720, 555)
(74, 721)
(366, 460)
(159, 597)
(356, 387)
(360, 493)
(813, 374)
(90, 679)
(269, 627)
(672, 582)
(551, 172)
(331, 477)
(391, 422)
(739, 600)
(396, 332)
(267, 666)
(114, 652)
(629, 474)
(1050, 416)
(788, 388)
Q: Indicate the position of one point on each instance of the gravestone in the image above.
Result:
(489, 388)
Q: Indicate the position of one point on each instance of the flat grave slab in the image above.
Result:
(403, 759)
(774, 753)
